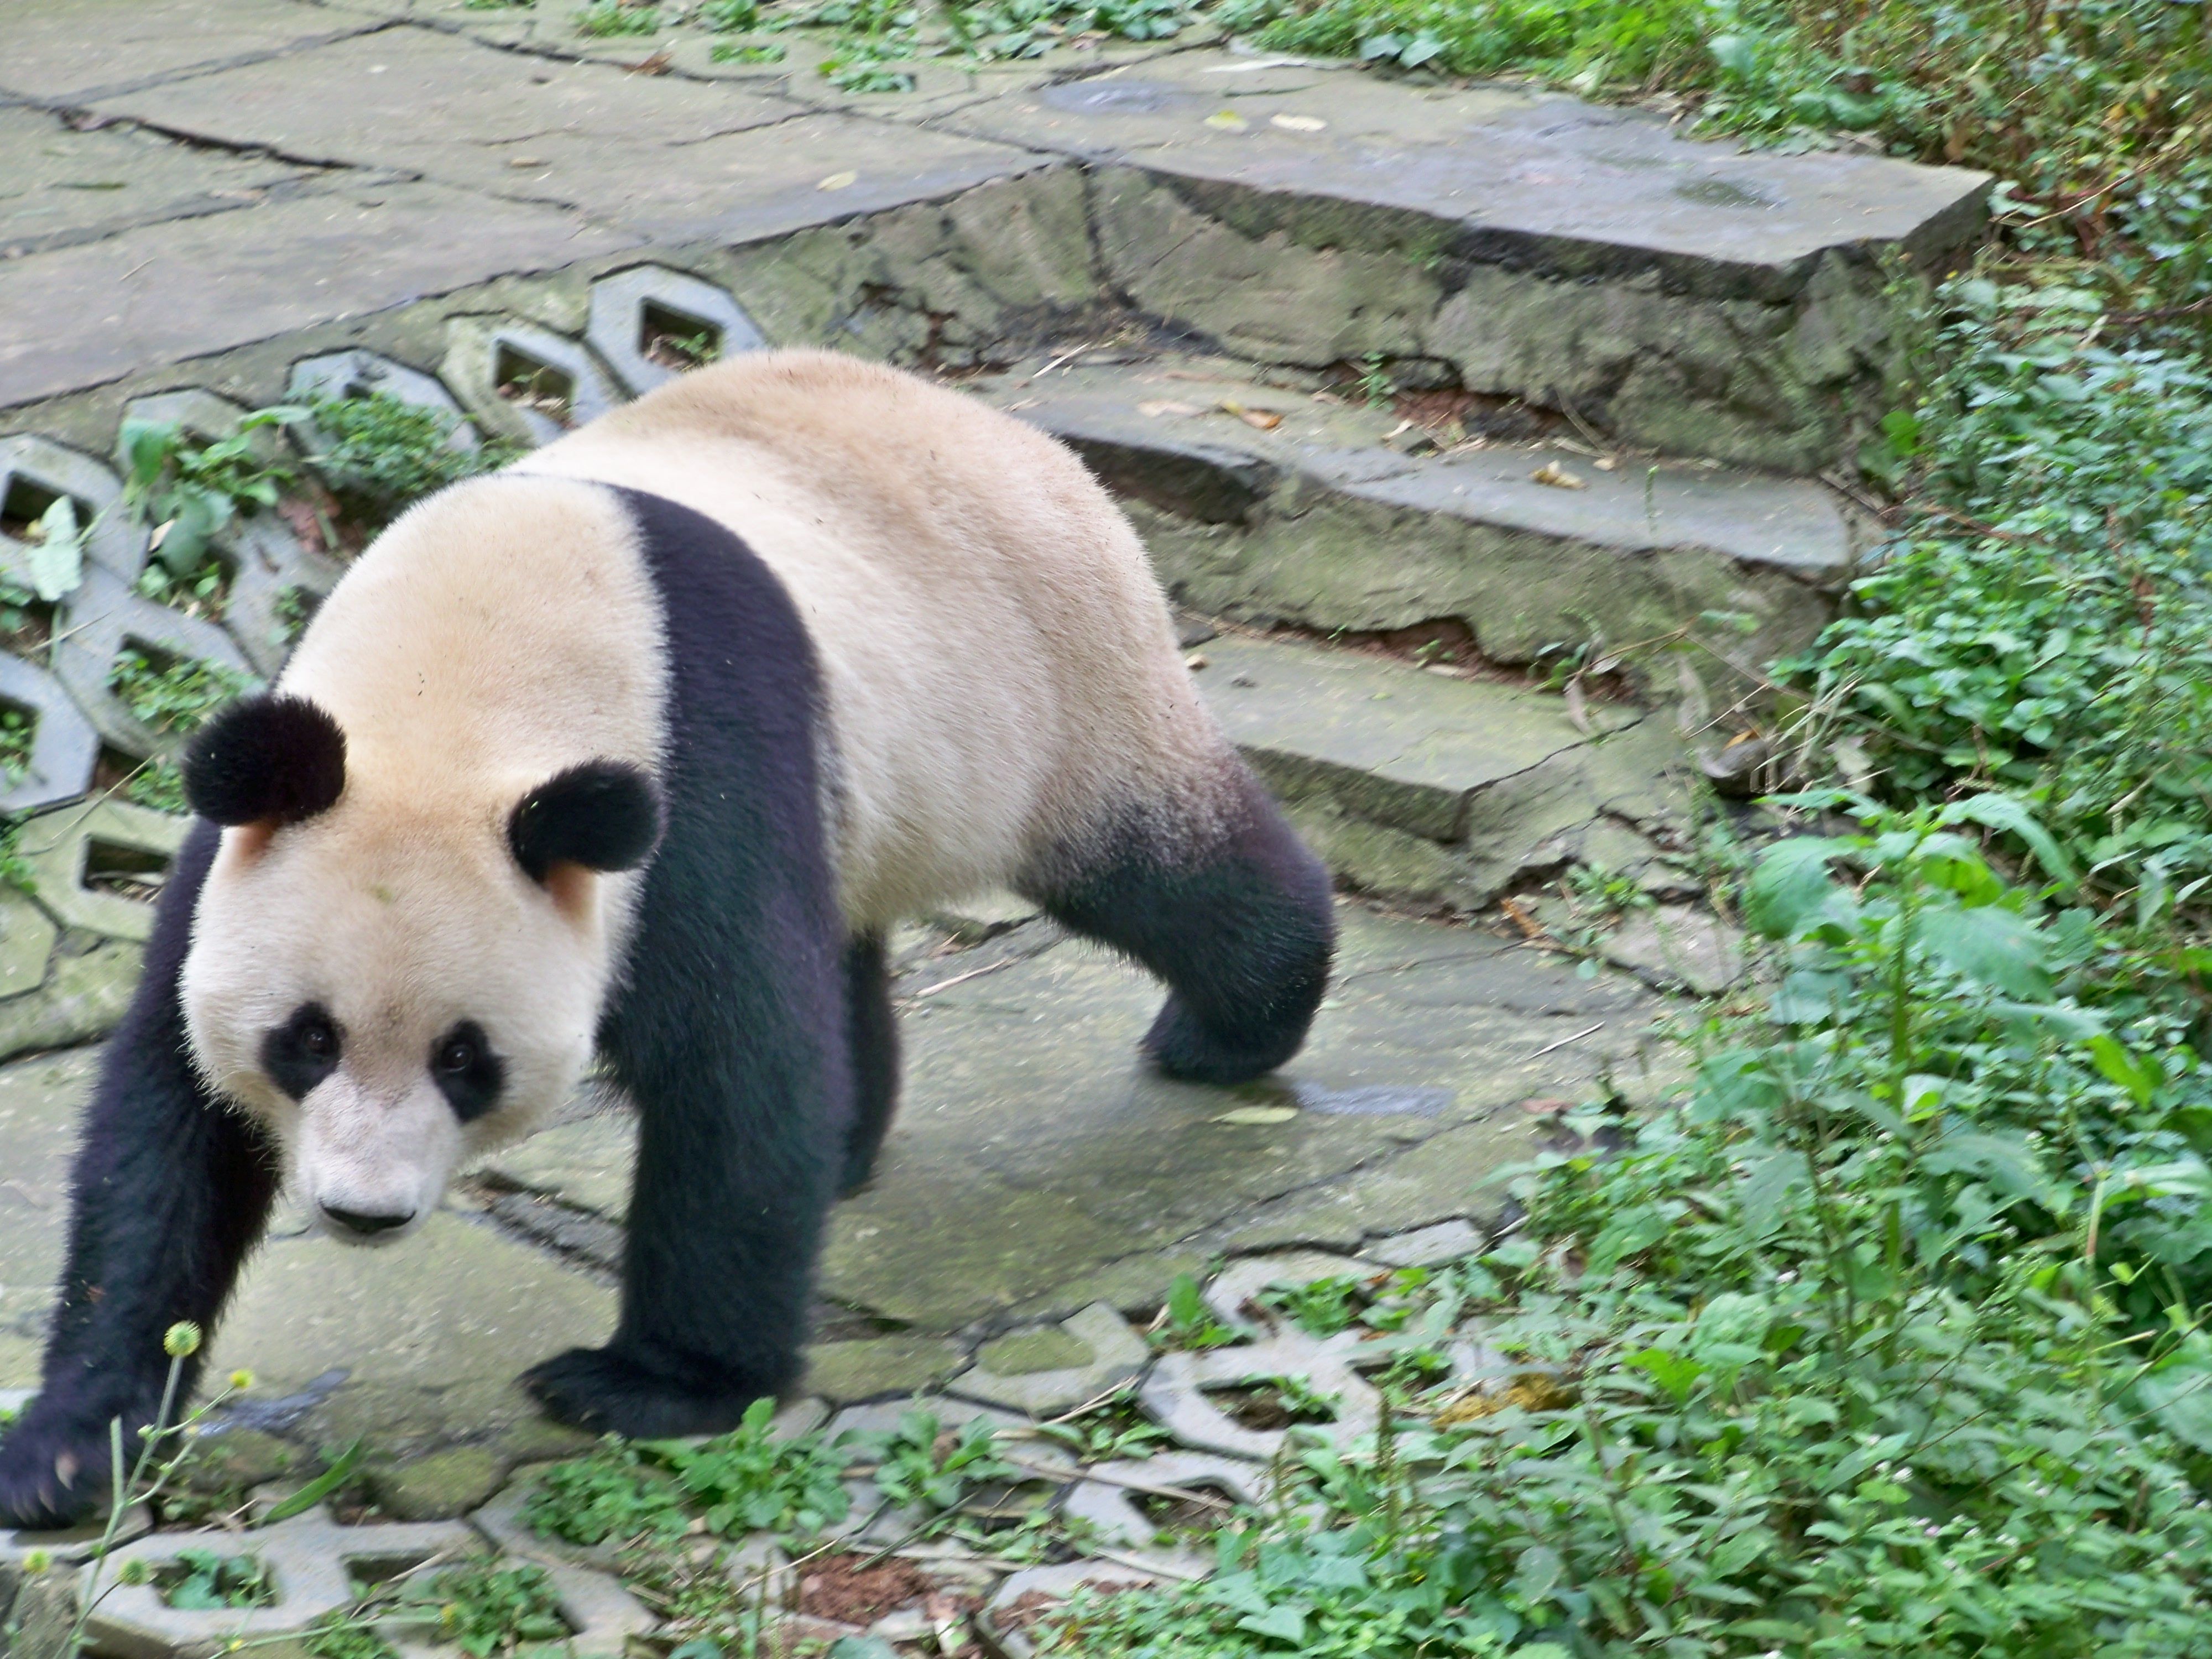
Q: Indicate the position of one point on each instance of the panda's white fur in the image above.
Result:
(1000, 675)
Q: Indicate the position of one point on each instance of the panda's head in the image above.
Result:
(398, 966)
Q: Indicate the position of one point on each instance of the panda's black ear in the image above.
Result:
(269, 759)
(603, 815)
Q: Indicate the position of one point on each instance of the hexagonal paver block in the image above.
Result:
(553, 383)
(633, 309)
(604, 1615)
(1056, 1367)
(92, 628)
(359, 374)
(78, 1543)
(204, 416)
(1233, 1295)
(63, 746)
(311, 1562)
(33, 471)
(63, 845)
(1175, 1394)
(1107, 1499)
(277, 585)
(26, 945)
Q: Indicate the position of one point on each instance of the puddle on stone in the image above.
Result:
(1377, 1100)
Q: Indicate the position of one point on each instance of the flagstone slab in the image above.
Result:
(89, 314)
(57, 50)
(59, 186)
(1493, 172)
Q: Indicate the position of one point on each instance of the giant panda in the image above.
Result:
(637, 748)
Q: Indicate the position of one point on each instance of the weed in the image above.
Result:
(158, 783)
(175, 694)
(198, 592)
(919, 1462)
(733, 51)
(1110, 1431)
(485, 1609)
(729, 16)
(381, 453)
(617, 17)
(743, 1481)
(190, 492)
(343, 1636)
(202, 1580)
(18, 732)
(1321, 1307)
(1185, 1321)
(1375, 383)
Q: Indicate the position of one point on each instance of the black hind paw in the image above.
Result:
(50, 1476)
(608, 1391)
(1189, 1051)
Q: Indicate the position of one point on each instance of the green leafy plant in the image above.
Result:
(204, 1580)
(175, 694)
(759, 51)
(380, 454)
(484, 1608)
(617, 17)
(190, 491)
(1320, 1307)
(744, 1481)
(922, 1464)
(1106, 1431)
(1186, 1322)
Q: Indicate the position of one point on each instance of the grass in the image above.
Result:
(175, 694)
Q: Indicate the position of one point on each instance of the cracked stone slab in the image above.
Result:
(1507, 174)
(1096, 1351)
(59, 50)
(63, 185)
(1233, 1294)
(82, 316)
(312, 1561)
(670, 158)
(1675, 945)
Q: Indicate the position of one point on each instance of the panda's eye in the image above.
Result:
(317, 1039)
(303, 1051)
(468, 1071)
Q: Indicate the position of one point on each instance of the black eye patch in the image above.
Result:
(467, 1071)
(302, 1051)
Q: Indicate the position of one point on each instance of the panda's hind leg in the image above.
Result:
(1216, 894)
(874, 1035)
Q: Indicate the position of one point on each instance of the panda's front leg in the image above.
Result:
(731, 1038)
(171, 1188)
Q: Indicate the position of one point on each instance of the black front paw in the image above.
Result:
(609, 1391)
(51, 1475)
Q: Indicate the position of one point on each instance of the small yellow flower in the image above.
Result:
(133, 1572)
(241, 1380)
(182, 1339)
(36, 1561)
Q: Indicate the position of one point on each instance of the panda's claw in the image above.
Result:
(50, 1477)
(608, 1391)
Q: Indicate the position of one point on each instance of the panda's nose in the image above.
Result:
(361, 1222)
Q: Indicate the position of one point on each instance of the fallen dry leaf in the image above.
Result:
(1543, 1104)
(656, 64)
(525, 161)
(1160, 406)
(1265, 419)
(1531, 1391)
(1297, 123)
(1259, 1114)
(1227, 121)
(839, 181)
(1606, 463)
(1195, 662)
(1557, 477)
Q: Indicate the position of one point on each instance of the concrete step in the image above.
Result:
(1275, 501)
(1433, 786)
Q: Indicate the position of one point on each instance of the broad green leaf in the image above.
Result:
(2139, 1076)
(1284, 1624)
(2005, 1161)
(1677, 1373)
(1791, 886)
(57, 555)
(317, 1489)
(1991, 944)
(2005, 813)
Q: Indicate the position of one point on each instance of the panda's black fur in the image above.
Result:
(755, 1032)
